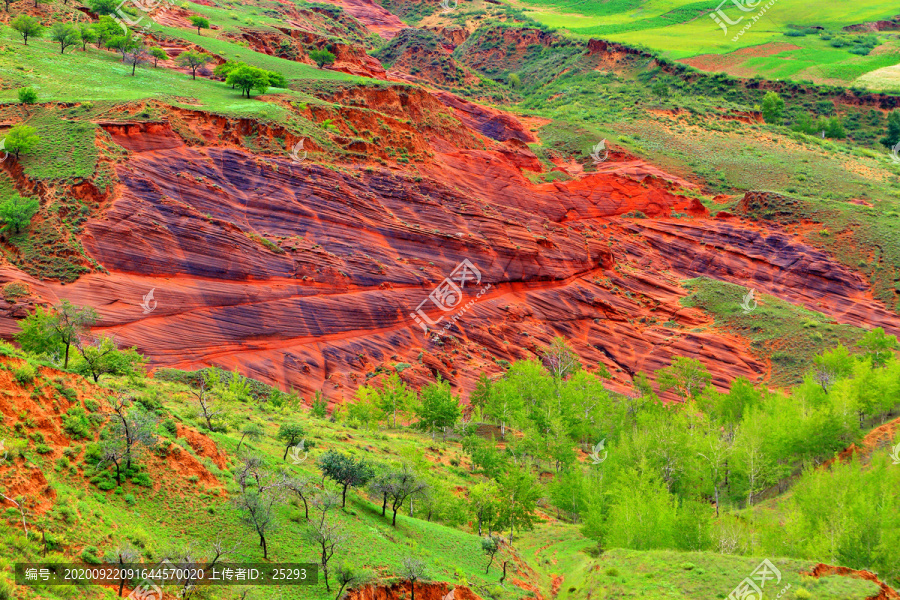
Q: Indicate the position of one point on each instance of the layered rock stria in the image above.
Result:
(307, 276)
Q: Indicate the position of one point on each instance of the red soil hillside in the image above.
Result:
(307, 276)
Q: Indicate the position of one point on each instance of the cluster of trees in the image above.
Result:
(246, 78)
(52, 333)
(672, 474)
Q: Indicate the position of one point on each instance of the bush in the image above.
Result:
(142, 479)
(27, 95)
(170, 427)
(76, 424)
(130, 500)
(89, 555)
(24, 374)
(42, 449)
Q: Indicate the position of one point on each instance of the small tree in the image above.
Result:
(412, 569)
(64, 34)
(199, 22)
(326, 534)
(302, 486)
(131, 427)
(402, 484)
(59, 327)
(490, 545)
(260, 492)
(290, 434)
(27, 95)
(113, 451)
(877, 344)
(251, 431)
(439, 407)
(104, 29)
(21, 138)
(158, 54)
(319, 407)
(395, 398)
(687, 375)
(560, 359)
(772, 108)
(103, 7)
(207, 407)
(514, 80)
(16, 212)
(248, 78)
(136, 55)
(348, 576)
(893, 131)
(346, 471)
(87, 34)
(321, 57)
(27, 26)
(223, 70)
(123, 43)
(103, 357)
(193, 60)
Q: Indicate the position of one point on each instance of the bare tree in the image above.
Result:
(134, 426)
(348, 576)
(207, 407)
(260, 492)
(113, 451)
(20, 504)
(560, 359)
(403, 483)
(303, 487)
(328, 536)
(412, 569)
(122, 554)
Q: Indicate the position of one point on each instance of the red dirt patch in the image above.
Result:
(724, 62)
(823, 570)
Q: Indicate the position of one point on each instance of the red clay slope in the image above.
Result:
(305, 276)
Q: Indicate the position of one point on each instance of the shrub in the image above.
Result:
(24, 374)
(42, 449)
(142, 479)
(76, 423)
(89, 555)
(130, 500)
(170, 427)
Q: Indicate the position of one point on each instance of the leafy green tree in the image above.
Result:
(290, 434)
(520, 493)
(60, 327)
(484, 504)
(319, 406)
(136, 54)
(21, 138)
(394, 398)
(321, 57)
(27, 95)
(248, 78)
(892, 138)
(199, 22)
(687, 375)
(660, 89)
(158, 54)
(346, 471)
(642, 512)
(363, 409)
(104, 357)
(87, 34)
(27, 26)
(276, 79)
(193, 60)
(105, 29)
(514, 80)
(482, 392)
(772, 108)
(103, 7)
(439, 408)
(16, 212)
(348, 576)
(878, 346)
(123, 43)
(223, 70)
(64, 34)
